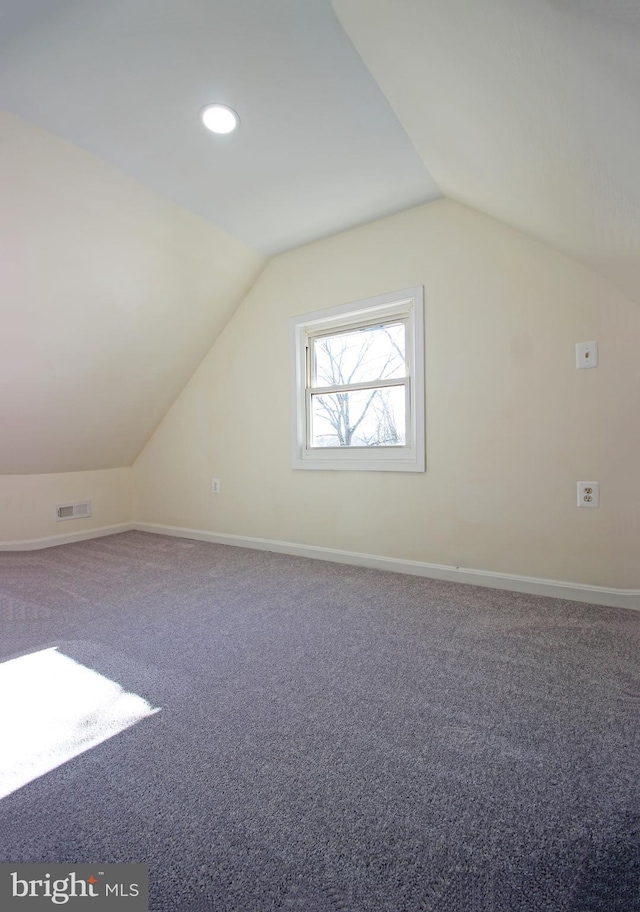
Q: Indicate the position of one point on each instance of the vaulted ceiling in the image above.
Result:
(319, 149)
(128, 233)
(525, 109)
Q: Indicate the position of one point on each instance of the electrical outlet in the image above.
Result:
(588, 494)
(215, 485)
(586, 355)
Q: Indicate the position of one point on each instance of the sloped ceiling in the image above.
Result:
(17, 16)
(319, 149)
(525, 109)
(110, 297)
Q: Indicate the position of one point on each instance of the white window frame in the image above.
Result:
(408, 305)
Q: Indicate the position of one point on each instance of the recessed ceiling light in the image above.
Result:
(219, 118)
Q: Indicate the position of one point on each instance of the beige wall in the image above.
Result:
(511, 424)
(27, 502)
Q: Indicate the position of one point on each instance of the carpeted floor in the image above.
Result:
(334, 738)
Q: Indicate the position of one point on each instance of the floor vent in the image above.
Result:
(73, 510)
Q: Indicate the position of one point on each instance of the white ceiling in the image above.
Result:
(524, 109)
(319, 149)
(16, 15)
(528, 110)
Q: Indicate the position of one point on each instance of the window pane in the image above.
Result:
(372, 417)
(361, 355)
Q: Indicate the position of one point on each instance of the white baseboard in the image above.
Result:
(35, 544)
(595, 595)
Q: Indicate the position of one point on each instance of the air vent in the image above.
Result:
(73, 510)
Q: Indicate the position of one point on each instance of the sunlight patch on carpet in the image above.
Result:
(52, 709)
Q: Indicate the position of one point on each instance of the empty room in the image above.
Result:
(320, 455)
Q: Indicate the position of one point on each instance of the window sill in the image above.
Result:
(361, 462)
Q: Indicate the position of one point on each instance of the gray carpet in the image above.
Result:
(334, 738)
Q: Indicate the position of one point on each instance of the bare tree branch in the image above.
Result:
(339, 360)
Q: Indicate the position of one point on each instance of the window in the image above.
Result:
(359, 385)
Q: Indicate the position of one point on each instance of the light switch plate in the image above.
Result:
(586, 355)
